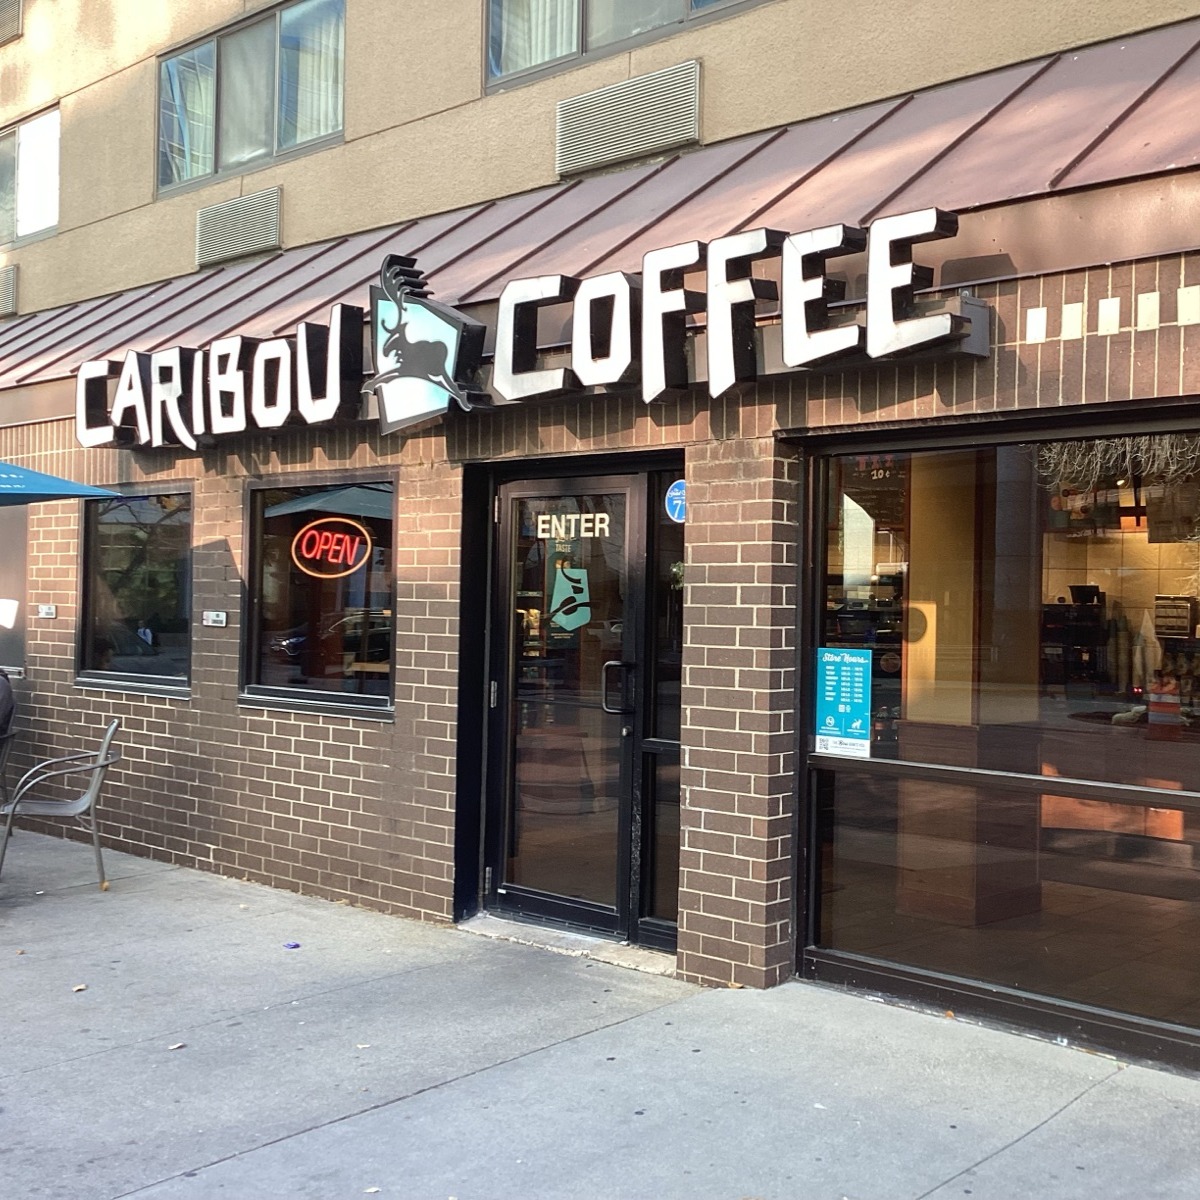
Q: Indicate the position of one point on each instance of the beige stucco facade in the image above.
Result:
(422, 134)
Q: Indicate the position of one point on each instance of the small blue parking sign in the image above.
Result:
(676, 502)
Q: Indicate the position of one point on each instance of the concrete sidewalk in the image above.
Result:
(383, 1057)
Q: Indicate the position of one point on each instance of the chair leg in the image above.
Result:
(99, 861)
(8, 824)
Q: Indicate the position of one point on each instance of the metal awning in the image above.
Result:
(1086, 119)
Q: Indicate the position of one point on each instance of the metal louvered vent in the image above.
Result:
(625, 120)
(10, 20)
(8, 290)
(240, 226)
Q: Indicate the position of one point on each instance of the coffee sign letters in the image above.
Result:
(613, 314)
(626, 331)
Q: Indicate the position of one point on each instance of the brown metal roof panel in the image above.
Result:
(661, 190)
(78, 324)
(141, 321)
(616, 238)
(893, 151)
(482, 274)
(1020, 149)
(18, 336)
(1159, 135)
(424, 237)
(237, 309)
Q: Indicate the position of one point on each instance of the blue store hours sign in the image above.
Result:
(844, 702)
(675, 502)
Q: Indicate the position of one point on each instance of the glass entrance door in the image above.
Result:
(583, 815)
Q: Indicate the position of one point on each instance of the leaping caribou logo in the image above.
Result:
(425, 354)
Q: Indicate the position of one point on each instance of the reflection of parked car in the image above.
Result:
(342, 636)
(132, 654)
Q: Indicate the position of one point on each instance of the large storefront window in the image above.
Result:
(1022, 622)
(136, 591)
(322, 601)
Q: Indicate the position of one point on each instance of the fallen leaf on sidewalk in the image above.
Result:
(20, 951)
(369, 1191)
(177, 1046)
(80, 987)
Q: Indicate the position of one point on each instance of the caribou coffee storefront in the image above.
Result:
(816, 598)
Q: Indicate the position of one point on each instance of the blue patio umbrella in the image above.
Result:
(19, 485)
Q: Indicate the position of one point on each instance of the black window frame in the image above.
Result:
(260, 695)
(174, 685)
(276, 155)
(584, 54)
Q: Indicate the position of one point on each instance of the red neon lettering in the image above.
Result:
(351, 548)
(308, 543)
(324, 540)
(335, 548)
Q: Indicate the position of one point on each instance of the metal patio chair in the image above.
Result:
(88, 768)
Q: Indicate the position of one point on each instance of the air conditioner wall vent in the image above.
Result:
(636, 117)
(244, 225)
(8, 290)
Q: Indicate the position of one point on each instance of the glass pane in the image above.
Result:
(310, 71)
(525, 33)
(613, 20)
(700, 5)
(1025, 609)
(137, 589)
(967, 881)
(665, 865)
(186, 108)
(8, 186)
(246, 121)
(37, 174)
(568, 619)
(1031, 607)
(324, 589)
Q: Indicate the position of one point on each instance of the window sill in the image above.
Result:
(318, 707)
(141, 687)
(28, 239)
(164, 191)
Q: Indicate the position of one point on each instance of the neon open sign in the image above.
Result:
(331, 547)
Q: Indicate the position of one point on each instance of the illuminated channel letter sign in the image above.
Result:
(331, 547)
(638, 332)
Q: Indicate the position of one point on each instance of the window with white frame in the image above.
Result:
(525, 34)
(29, 177)
(262, 89)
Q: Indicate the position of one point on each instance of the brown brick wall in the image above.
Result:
(737, 816)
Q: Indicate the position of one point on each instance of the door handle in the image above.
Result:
(604, 704)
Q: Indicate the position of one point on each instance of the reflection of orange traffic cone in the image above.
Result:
(1163, 708)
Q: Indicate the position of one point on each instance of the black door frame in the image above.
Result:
(482, 646)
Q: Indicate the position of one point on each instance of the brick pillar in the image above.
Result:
(736, 869)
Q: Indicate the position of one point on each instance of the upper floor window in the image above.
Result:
(29, 177)
(523, 34)
(261, 90)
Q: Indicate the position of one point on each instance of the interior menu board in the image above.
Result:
(844, 702)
